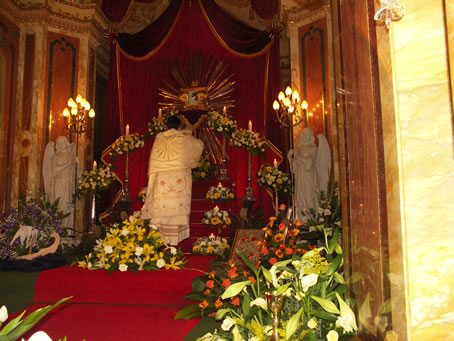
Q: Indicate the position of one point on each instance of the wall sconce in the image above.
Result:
(287, 108)
(76, 114)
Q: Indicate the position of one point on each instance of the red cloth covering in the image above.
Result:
(190, 27)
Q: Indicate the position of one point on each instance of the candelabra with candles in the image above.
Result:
(249, 196)
(223, 171)
(77, 116)
(290, 113)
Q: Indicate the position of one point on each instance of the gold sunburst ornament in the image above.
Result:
(199, 85)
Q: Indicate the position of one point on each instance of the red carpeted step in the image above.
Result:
(96, 322)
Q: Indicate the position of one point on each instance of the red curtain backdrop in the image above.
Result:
(139, 64)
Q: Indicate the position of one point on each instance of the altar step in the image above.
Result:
(200, 205)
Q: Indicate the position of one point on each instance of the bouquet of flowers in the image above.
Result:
(280, 241)
(125, 144)
(94, 181)
(249, 140)
(304, 294)
(274, 179)
(204, 169)
(39, 218)
(219, 194)
(216, 218)
(212, 245)
(328, 212)
(156, 125)
(222, 124)
(132, 245)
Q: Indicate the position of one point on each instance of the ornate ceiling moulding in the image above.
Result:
(60, 14)
(304, 11)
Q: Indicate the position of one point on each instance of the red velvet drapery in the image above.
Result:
(139, 64)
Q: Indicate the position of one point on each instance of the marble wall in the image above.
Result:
(419, 168)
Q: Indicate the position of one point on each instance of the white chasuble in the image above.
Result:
(168, 199)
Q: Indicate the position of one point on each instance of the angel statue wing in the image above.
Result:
(47, 168)
(323, 162)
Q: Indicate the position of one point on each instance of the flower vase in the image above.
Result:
(275, 303)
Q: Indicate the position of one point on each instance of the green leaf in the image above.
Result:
(234, 289)
(189, 312)
(267, 275)
(245, 305)
(198, 285)
(221, 313)
(282, 263)
(292, 324)
(333, 241)
(328, 305)
(339, 278)
(282, 289)
(248, 262)
(328, 270)
(338, 248)
(11, 325)
(31, 320)
(323, 315)
(310, 336)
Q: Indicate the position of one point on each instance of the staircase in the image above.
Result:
(200, 205)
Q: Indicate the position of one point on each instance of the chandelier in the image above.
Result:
(288, 108)
(76, 115)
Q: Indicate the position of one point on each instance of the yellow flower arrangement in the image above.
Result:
(132, 245)
(217, 218)
(219, 193)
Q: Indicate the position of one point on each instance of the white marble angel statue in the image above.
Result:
(59, 172)
(311, 166)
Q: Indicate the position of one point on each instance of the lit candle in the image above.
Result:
(219, 185)
(160, 113)
(127, 130)
(94, 165)
(250, 126)
(275, 163)
(224, 110)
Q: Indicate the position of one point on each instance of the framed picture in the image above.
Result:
(246, 241)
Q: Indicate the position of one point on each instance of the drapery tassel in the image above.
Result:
(251, 14)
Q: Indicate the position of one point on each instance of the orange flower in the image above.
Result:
(279, 237)
(298, 223)
(279, 253)
(282, 246)
(267, 231)
(289, 251)
(293, 233)
(203, 305)
(272, 219)
(232, 273)
(226, 283)
(235, 301)
(211, 275)
(291, 242)
(272, 261)
(218, 304)
(252, 279)
(264, 251)
(282, 226)
(282, 207)
(244, 273)
(207, 292)
(210, 284)
(304, 251)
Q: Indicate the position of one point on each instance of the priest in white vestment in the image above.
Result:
(168, 199)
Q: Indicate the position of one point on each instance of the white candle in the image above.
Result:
(219, 185)
(160, 113)
(224, 110)
(94, 165)
(127, 130)
(250, 126)
(275, 163)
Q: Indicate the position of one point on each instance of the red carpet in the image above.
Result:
(117, 306)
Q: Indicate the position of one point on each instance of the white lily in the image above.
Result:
(308, 281)
(39, 336)
(332, 335)
(160, 263)
(346, 319)
(3, 314)
(227, 324)
(123, 267)
(259, 302)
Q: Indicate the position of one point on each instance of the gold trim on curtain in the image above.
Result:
(224, 44)
(152, 52)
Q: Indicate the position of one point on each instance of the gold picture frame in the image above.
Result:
(246, 241)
